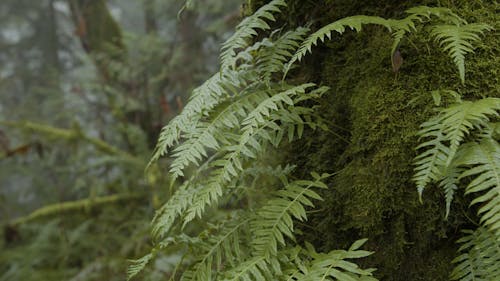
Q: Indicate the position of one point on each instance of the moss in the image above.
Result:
(379, 113)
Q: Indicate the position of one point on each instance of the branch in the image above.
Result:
(75, 134)
(75, 206)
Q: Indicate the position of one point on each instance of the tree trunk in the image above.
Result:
(377, 114)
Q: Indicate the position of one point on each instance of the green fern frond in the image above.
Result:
(218, 251)
(248, 29)
(273, 58)
(458, 41)
(256, 268)
(428, 163)
(204, 97)
(274, 221)
(484, 157)
(479, 257)
(419, 15)
(136, 266)
(333, 265)
(449, 184)
(211, 133)
(354, 22)
(256, 126)
(445, 133)
(459, 119)
(171, 210)
(441, 12)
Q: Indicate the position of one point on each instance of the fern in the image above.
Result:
(484, 158)
(248, 29)
(138, 265)
(457, 41)
(240, 113)
(479, 256)
(445, 133)
(354, 22)
(218, 250)
(419, 15)
(275, 220)
(333, 265)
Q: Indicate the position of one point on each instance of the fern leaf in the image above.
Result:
(419, 14)
(449, 184)
(253, 269)
(204, 98)
(255, 126)
(171, 210)
(274, 221)
(273, 58)
(218, 251)
(429, 163)
(138, 265)
(479, 257)
(451, 126)
(248, 29)
(210, 134)
(458, 41)
(485, 159)
(334, 264)
(460, 118)
(354, 22)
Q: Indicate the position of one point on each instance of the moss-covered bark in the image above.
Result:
(378, 114)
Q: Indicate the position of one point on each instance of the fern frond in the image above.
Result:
(442, 13)
(256, 268)
(458, 41)
(256, 126)
(333, 265)
(272, 58)
(275, 220)
(248, 29)
(136, 266)
(211, 133)
(459, 119)
(428, 163)
(451, 126)
(171, 210)
(339, 26)
(218, 251)
(484, 157)
(449, 184)
(479, 257)
(420, 14)
(204, 97)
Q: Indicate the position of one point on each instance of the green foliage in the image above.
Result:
(479, 256)
(247, 29)
(235, 119)
(322, 266)
(444, 134)
(483, 158)
(457, 41)
(448, 160)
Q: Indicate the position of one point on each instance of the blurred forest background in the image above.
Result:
(86, 86)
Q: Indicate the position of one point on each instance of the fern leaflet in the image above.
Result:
(457, 41)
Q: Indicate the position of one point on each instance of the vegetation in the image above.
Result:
(302, 159)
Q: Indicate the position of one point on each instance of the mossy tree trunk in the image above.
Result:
(377, 113)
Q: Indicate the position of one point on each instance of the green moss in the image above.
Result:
(379, 113)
